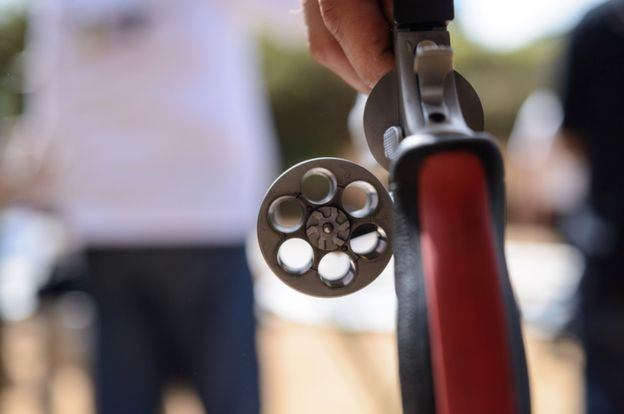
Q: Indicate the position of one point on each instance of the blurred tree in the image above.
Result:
(12, 38)
(310, 104)
(505, 80)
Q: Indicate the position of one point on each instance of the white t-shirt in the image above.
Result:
(153, 117)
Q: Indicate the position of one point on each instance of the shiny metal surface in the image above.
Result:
(419, 96)
(328, 228)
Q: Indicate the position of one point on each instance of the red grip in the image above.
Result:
(470, 347)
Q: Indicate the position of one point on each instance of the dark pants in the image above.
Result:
(167, 312)
(602, 315)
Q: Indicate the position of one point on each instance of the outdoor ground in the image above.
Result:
(306, 370)
(318, 356)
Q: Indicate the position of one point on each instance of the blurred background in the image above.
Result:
(333, 356)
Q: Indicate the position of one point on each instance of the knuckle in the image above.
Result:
(330, 10)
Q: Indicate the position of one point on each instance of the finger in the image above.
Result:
(364, 34)
(325, 48)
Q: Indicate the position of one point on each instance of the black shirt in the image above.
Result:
(593, 99)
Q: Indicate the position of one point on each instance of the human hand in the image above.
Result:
(352, 38)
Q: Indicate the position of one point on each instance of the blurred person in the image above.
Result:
(545, 178)
(593, 126)
(147, 131)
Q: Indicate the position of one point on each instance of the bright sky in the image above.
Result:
(508, 24)
(503, 24)
(4, 3)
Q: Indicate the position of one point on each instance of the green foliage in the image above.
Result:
(504, 80)
(12, 38)
(310, 105)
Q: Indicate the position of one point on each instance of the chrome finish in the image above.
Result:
(329, 228)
